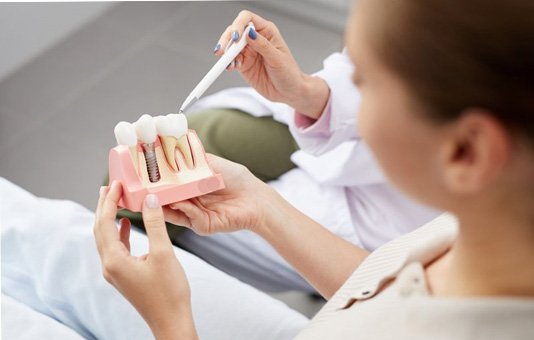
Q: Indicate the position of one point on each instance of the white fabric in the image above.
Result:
(50, 264)
(20, 322)
(337, 183)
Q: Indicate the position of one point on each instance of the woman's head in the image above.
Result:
(448, 93)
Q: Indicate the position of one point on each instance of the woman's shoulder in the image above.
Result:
(421, 245)
(404, 308)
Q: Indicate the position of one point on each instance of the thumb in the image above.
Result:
(158, 239)
(261, 44)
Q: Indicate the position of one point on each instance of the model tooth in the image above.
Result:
(178, 122)
(125, 134)
(146, 129)
(161, 125)
(174, 125)
(172, 130)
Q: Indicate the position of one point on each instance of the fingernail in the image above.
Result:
(236, 63)
(113, 185)
(235, 35)
(152, 201)
(252, 33)
(217, 47)
(101, 191)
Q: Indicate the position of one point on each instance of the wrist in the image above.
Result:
(312, 96)
(175, 325)
(275, 212)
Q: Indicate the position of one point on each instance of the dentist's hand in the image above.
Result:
(267, 65)
(155, 283)
(245, 203)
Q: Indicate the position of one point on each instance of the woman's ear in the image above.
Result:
(476, 151)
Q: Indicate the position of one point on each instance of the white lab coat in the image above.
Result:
(337, 182)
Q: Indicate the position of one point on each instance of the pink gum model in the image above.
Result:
(122, 169)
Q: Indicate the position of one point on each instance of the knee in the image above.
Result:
(218, 128)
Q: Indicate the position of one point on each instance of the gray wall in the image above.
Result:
(330, 13)
(28, 29)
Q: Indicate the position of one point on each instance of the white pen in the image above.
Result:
(231, 52)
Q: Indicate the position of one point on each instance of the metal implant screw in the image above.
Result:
(151, 162)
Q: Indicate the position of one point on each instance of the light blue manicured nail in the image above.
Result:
(252, 33)
(217, 47)
(235, 35)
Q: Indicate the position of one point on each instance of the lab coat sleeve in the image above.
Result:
(332, 151)
(337, 124)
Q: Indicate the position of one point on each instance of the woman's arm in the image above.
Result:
(322, 258)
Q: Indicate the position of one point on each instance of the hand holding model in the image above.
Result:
(154, 283)
(268, 66)
(245, 203)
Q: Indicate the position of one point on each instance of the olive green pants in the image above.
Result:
(262, 144)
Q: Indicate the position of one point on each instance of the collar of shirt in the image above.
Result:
(422, 246)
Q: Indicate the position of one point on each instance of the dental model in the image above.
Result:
(160, 155)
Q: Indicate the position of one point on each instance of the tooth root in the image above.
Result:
(197, 149)
(183, 145)
(180, 160)
(169, 146)
(135, 158)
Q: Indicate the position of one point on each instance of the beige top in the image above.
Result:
(405, 309)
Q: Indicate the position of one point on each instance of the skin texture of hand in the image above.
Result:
(268, 66)
(155, 283)
(238, 206)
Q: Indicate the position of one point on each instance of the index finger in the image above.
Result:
(238, 26)
(244, 17)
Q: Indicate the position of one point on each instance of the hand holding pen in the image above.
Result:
(254, 47)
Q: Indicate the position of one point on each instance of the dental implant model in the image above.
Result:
(160, 155)
(146, 130)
